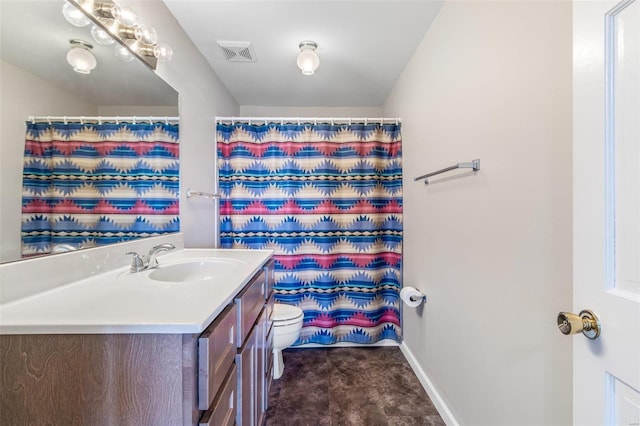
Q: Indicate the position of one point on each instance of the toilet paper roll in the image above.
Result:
(411, 296)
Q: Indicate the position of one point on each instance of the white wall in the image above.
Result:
(491, 80)
(202, 97)
(142, 111)
(338, 112)
(23, 95)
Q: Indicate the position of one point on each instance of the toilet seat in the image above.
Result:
(284, 315)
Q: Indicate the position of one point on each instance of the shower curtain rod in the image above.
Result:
(299, 120)
(99, 118)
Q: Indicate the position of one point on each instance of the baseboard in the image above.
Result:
(437, 400)
(385, 342)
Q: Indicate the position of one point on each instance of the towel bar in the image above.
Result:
(191, 193)
(475, 165)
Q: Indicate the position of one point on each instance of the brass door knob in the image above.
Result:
(586, 322)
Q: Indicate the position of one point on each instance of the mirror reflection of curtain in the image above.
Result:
(90, 184)
(327, 198)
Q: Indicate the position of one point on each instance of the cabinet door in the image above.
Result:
(268, 368)
(247, 361)
(261, 334)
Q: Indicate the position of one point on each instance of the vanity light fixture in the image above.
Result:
(74, 16)
(163, 52)
(101, 36)
(121, 23)
(125, 16)
(308, 60)
(80, 57)
(145, 34)
(123, 53)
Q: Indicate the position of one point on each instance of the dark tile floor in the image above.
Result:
(349, 386)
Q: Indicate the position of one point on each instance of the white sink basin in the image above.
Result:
(195, 270)
(187, 270)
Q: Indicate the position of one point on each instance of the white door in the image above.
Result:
(606, 170)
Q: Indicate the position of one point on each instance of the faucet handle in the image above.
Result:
(137, 263)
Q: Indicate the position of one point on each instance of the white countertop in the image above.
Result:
(118, 302)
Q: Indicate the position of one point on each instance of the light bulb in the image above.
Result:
(308, 61)
(123, 53)
(125, 15)
(81, 59)
(163, 52)
(101, 36)
(146, 34)
(74, 16)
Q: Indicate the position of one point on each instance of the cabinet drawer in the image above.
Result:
(216, 352)
(249, 302)
(269, 281)
(223, 410)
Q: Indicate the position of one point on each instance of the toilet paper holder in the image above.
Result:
(415, 298)
(412, 297)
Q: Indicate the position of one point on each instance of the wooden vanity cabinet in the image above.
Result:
(253, 350)
(98, 379)
(253, 354)
(154, 379)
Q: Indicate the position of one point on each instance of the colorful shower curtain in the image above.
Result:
(89, 184)
(328, 199)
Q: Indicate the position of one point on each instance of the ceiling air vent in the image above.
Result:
(237, 51)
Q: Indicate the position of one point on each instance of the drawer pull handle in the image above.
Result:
(231, 399)
(231, 335)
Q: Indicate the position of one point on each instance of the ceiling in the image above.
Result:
(363, 46)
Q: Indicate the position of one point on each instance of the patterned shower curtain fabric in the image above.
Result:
(90, 184)
(327, 198)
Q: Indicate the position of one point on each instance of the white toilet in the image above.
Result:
(287, 322)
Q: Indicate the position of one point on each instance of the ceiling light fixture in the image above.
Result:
(308, 60)
(80, 56)
(120, 23)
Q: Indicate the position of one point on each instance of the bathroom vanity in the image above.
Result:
(186, 343)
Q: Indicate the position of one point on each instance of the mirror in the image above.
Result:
(36, 80)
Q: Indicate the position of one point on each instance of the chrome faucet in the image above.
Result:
(152, 261)
(148, 261)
